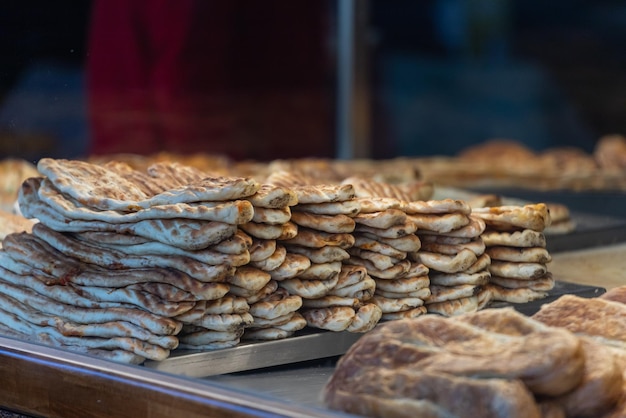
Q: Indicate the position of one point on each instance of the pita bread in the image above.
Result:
(327, 223)
(472, 230)
(250, 278)
(100, 188)
(525, 238)
(377, 204)
(396, 231)
(382, 219)
(444, 293)
(542, 284)
(323, 193)
(404, 285)
(260, 322)
(484, 297)
(520, 255)
(367, 316)
(446, 263)
(293, 265)
(380, 261)
(273, 197)
(331, 300)
(420, 294)
(114, 259)
(517, 270)
(348, 207)
(277, 304)
(456, 279)
(317, 239)
(218, 345)
(337, 318)
(443, 239)
(372, 188)
(363, 242)
(206, 336)
(510, 218)
(296, 323)
(309, 289)
(322, 271)
(221, 322)
(362, 290)
(440, 223)
(253, 297)
(482, 264)
(399, 270)
(454, 307)
(477, 246)
(437, 207)
(409, 313)
(271, 216)
(387, 305)
(408, 243)
(519, 295)
(349, 275)
(227, 304)
(261, 249)
(232, 212)
(326, 254)
(266, 231)
(272, 262)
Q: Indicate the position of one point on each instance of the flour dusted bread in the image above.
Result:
(436, 366)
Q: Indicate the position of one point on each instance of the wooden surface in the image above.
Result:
(601, 266)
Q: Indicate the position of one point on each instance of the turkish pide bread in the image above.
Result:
(437, 366)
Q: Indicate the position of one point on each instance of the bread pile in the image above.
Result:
(335, 296)
(127, 264)
(453, 250)
(274, 310)
(384, 236)
(517, 246)
(489, 363)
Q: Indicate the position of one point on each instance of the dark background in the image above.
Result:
(444, 74)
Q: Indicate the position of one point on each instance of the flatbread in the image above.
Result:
(456, 279)
(443, 206)
(444, 293)
(348, 207)
(399, 270)
(477, 246)
(323, 271)
(293, 265)
(525, 238)
(408, 243)
(515, 270)
(273, 197)
(482, 264)
(378, 204)
(396, 231)
(409, 313)
(317, 239)
(331, 300)
(367, 316)
(454, 307)
(446, 263)
(380, 261)
(440, 223)
(382, 219)
(404, 285)
(261, 249)
(387, 305)
(519, 295)
(100, 188)
(520, 255)
(422, 294)
(323, 193)
(277, 304)
(510, 218)
(542, 284)
(310, 289)
(472, 230)
(364, 242)
(267, 231)
(250, 278)
(271, 216)
(336, 318)
(327, 223)
(272, 262)
(324, 254)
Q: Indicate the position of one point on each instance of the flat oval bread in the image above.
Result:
(403, 285)
(520, 255)
(423, 294)
(397, 231)
(367, 316)
(262, 249)
(542, 284)
(347, 207)
(446, 263)
(456, 279)
(310, 289)
(317, 239)
(387, 305)
(510, 218)
(97, 187)
(397, 271)
(441, 223)
(363, 242)
(293, 265)
(323, 271)
(445, 293)
(407, 243)
(205, 336)
(323, 193)
(519, 295)
(409, 313)
(454, 307)
(273, 197)
(472, 230)
(378, 204)
(272, 262)
(336, 318)
(443, 206)
(266, 231)
(380, 261)
(270, 216)
(517, 270)
(362, 290)
(351, 274)
(250, 278)
(277, 304)
(331, 300)
(381, 219)
(232, 211)
(525, 238)
(327, 223)
(477, 246)
(325, 254)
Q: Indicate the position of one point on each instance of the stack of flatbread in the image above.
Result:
(125, 263)
(335, 296)
(274, 310)
(517, 246)
(454, 252)
(384, 236)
